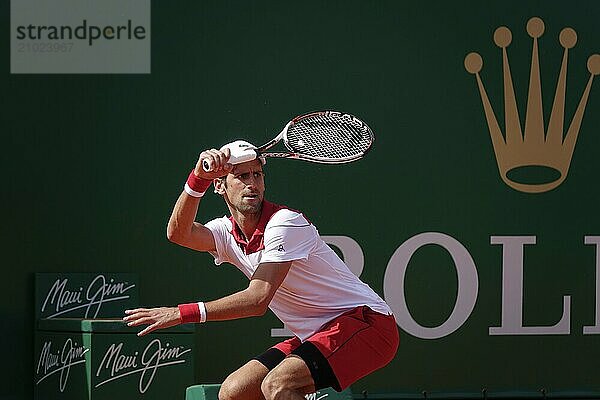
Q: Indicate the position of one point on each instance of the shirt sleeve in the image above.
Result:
(288, 237)
(220, 232)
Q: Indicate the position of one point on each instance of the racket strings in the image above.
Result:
(327, 136)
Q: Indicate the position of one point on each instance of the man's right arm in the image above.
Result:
(182, 228)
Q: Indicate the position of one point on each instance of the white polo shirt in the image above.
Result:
(318, 287)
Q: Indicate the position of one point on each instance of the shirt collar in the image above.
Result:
(256, 241)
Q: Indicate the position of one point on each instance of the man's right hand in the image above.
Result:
(218, 159)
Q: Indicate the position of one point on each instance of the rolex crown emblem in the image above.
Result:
(538, 146)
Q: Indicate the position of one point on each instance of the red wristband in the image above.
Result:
(189, 313)
(196, 186)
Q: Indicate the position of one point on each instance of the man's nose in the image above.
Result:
(252, 180)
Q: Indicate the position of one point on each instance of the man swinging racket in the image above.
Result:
(343, 329)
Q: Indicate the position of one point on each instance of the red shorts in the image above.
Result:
(347, 348)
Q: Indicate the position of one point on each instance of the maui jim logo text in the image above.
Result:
(65, 299)
(154, 356)
(50, 363)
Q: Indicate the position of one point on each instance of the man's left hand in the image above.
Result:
(156, 318)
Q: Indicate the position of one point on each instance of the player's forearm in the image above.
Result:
(183, 230)
(243, 304)
(182, 218)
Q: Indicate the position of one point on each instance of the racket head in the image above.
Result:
(330, 137)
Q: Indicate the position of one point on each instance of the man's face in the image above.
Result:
(245, 187)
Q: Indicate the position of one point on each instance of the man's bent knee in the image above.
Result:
(244, 384)
(233, 389)
(291, 376)
(271, 386)
(274, 386)
(229, 390)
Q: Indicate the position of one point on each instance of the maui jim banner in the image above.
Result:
(84, 295)
(107, 360)
(150, 367)
(60, 358)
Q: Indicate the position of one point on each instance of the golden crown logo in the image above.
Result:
(534, 148)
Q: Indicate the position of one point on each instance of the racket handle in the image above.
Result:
(247, 155)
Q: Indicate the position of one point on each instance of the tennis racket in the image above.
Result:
(327, 137)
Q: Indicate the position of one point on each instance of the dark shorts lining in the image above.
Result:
(317, 364)
(270, 358)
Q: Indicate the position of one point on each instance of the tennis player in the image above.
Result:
(343, 329)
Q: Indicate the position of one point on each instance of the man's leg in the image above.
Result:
(290, 380)
(244, 383)
(346, 349)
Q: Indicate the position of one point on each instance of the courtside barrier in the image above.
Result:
(211, 391)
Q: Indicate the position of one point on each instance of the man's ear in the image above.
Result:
(219, 184)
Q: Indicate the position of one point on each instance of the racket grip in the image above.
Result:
(247, 155)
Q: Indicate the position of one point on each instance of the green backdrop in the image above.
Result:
(93, 164)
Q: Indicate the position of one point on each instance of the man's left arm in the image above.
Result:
(255, 299)
(252, 301)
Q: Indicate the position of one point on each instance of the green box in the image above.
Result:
(105, 360)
